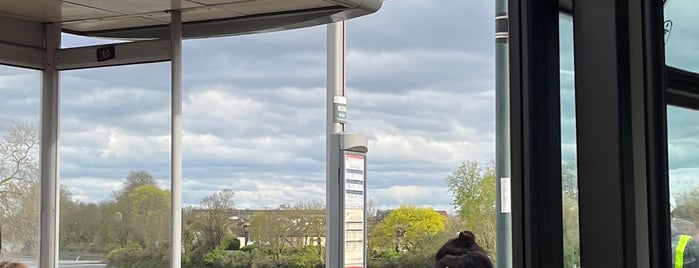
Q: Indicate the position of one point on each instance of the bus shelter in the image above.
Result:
(30, 37)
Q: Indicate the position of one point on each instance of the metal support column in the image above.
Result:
(50, 94)
(502, 138)
(335, 87)
(176, 142)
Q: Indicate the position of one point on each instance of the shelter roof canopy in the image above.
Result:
(149, 19)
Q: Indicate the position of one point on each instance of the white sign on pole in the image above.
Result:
(505, 196)
(354, 210)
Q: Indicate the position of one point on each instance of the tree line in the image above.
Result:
(131, 228)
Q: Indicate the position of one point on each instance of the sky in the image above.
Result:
(420, 86)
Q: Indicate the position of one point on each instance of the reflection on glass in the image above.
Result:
(115, 164)
(683, 145)
(682, 31)
(571, 237)
(19, 164)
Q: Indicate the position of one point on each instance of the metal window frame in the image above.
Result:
(622, 144)
(682, 88)
(535, 134)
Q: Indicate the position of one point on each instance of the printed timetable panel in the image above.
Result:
(354, 202)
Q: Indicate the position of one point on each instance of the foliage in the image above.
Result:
(19, 184)
(473, 186)
(232, 244)
(80, 229)
(214, 225)
(134, 180)
(571, 230)
(150, 209)
(135, 257)
(406, 227)
(208, 228)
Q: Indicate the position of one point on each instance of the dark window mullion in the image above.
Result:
(535, 134)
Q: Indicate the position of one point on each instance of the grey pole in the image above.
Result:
(335, 87)
(48, 151)
(502, 137)
(176, 142)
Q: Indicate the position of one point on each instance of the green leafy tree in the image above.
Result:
(150, 212)
(117, 223)
(406, 227)
(473, 187)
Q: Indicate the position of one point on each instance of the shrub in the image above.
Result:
(233, 244)
(133, 257)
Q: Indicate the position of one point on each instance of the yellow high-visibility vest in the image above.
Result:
(679, 252)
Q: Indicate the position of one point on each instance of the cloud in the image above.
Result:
(254, 110)
(404, 69)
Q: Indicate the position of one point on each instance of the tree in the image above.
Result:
(406, 227)
(19, 184)
(79, 221)
(150, 212)
(310, 222)
(134, 180)
(571, 239)
(117, 223)
(217, 208)
(473, 187)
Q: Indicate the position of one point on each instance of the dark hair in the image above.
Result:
(13, 265)
(462, 252)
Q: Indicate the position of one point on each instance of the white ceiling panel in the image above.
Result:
(196, 14)
(34, 10)
(216, 2)
(254, 7)
(131, 6)
(71, 12)
(110, 23)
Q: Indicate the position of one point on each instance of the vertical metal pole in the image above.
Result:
(48, 240)
(176, 143)
(502, 137)
(335, 87)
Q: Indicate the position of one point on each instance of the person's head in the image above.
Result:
(2, 264)
(462, 252)
(14, 265)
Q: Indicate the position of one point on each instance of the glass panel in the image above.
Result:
(683, 158)
(682, 31)
(115, 166)
(254, 151)
(19, 164)
(571, 237)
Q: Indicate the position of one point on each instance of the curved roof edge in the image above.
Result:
(248, 24)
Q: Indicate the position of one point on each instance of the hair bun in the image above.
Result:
(467, 236)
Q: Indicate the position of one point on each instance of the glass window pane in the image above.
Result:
(683, 159)
(682, 31)
(571, 238)
(19, 164)
(115, 166)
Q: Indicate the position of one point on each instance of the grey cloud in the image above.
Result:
(402, 70)
(420, 86)
(438, 25)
